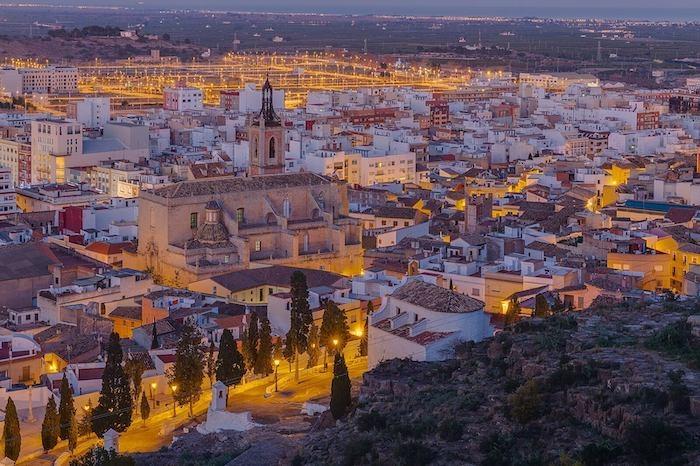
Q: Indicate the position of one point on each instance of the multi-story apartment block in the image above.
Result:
(182, 98)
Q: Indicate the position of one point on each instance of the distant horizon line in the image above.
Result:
(444, 16)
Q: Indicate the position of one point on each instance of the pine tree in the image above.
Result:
(541, 306)
(334, 326)
(300, 317)
(288, 354)
(513, 312)
(211, 363)
(229, 362)
(145, 408)
(250, 343)
(50, 426)
(11, 433)
(263, 361)
(188, 370)
(66, 410)
(154, 337)
(313, 348)
(340, 388)
(115, 404)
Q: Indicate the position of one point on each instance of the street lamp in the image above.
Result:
(174, 389)
(153, 389)
(335, 344)
(277, 365)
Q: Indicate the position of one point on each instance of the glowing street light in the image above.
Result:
(153, 389)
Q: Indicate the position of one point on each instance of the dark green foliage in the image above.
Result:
(85, 423)
(372, 420)
(11, 433)
(513, 312)
(50, 426)
(188, 370)
(340, 388)
(211, 363)
(66, 410)
(599, 454)
(357, 450)
(570, 374)
(525, 404)
(676, 340)
(145, 408)
(300, 319)
(154, 337)
(451, 430)
(496, 448)
(229, 362)
(134, 369)
(87, 31)
(263, 360)
(98, 456)
(314, 348)
(414, 454)
(250, 342)
(541, 306)
(334, 326)
(364, 339)
(652, 440)
(678, 392)
(115, 403)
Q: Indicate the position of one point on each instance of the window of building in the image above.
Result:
(240, 215)
(194, 221)
(258, 245)
(272, 148)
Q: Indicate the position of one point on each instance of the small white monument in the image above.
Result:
(111, 440)
(219, 396)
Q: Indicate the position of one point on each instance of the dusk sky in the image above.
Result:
(653, 9)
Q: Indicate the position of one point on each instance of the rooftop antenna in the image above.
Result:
(365, 47)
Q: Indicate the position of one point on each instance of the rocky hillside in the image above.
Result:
(616, 384)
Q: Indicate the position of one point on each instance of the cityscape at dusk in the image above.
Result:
(381, 232)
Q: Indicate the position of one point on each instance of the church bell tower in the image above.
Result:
(266, 138)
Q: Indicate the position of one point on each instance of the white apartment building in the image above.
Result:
(183, 99)
(8, 198)
(58, 145)
(53, 141)
(45, 80)
(365, 167)
(91, 112)
(250, 97)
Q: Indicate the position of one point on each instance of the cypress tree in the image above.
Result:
(340, 388)
(313, 348)
(145, 408)
(300, 318)
(229, 362)
(115, 404)
(250, 344)
(50, 426)
(154, 337)
(211, 363)
(278, 350)
(66, 410)
(134, 369)
(11, 433)
(85, 423)
(263, 361)
(188, 370)
(334, 326)
(364, 339)
(73, 434)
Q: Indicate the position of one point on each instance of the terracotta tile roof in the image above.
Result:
(277, 275)
(107, 249)
(436, 298)
(127, 312)
(228, 185)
